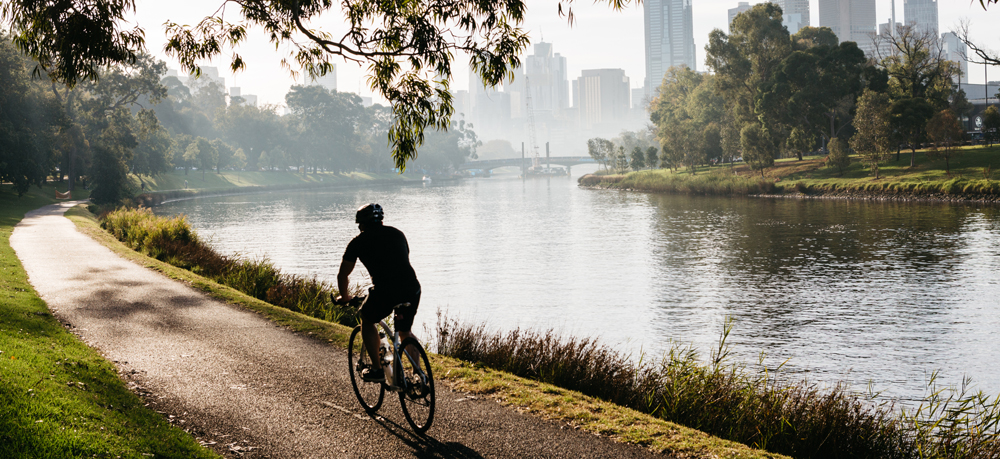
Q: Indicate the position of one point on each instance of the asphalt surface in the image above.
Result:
(247, 387)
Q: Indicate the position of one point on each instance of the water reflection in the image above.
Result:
(886, 292)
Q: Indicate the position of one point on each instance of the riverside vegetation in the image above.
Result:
(58, 397)
(971, 177)
(731, 400)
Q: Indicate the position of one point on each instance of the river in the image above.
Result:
(863, 292)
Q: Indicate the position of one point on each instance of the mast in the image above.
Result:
(531, 123)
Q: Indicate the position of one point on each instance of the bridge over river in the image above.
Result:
(490, 164)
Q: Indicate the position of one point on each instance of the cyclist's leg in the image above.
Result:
(374, 310)
(404, 320)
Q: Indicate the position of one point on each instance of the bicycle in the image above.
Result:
(410, 377)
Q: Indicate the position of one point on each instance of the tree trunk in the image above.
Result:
(913, 155)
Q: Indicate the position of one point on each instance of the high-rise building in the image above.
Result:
(546, 78)
(956, 51)
(922, 15)
(850, 20)
(794, 14)
(741, 7)
(669, 28)
(328, 81)
(603, 99)
(208, 75)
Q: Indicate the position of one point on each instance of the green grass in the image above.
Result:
(972, 176)
(58, 397)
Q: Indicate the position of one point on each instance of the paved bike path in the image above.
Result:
(255, 389)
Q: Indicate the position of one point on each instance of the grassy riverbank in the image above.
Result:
(177, 184)
(972, 177)
(540, 398)
(751, 406)
(58, 397)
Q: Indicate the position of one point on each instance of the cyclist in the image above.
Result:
(384, 252)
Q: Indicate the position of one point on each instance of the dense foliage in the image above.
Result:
(408, 48)
(135, 121)
(774, 95)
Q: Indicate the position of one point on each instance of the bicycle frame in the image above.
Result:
(399, 384)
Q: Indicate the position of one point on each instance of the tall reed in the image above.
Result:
(754, 406)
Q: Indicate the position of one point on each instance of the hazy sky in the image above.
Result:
(600, 38)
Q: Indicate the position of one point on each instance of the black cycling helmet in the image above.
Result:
(369, 213)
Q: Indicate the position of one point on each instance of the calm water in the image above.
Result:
(864, 292)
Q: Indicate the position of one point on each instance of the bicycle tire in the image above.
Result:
(370, 394)
(417, 398)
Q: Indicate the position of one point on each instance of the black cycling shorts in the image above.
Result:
(378, 306)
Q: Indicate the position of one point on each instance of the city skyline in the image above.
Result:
(597, 40)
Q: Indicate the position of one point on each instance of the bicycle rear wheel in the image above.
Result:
(417, 397)
(370, 394)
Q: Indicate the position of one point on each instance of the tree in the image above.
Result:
(620, 160)
(152, 155)
(239, 162)
(638, 159)
(991, 125)
(745, 61)
(224, 154)
(201, 152)
(757, 147)
(872, 141)
(818, 83)
(909, 118)
(920, 79)
(799, 141)
(838, 156)
(112, 153)
(601, 150)
(253, 129)
(651, 157)
(946, 135)
(26, 124)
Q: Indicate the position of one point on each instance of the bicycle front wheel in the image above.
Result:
(417, 396)
(370, 394)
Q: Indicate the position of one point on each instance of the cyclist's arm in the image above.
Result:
(343, 278)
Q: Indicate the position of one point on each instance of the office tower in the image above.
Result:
(546, 79)
(795, 14)
(741, 7)
(956, 51)
(669, 28)
(922, 15)
(208, 75)
(603, 97)
(850, 20)
(328, 81)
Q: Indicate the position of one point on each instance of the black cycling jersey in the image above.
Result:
(386, 255)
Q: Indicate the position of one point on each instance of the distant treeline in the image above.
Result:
(132, 119)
